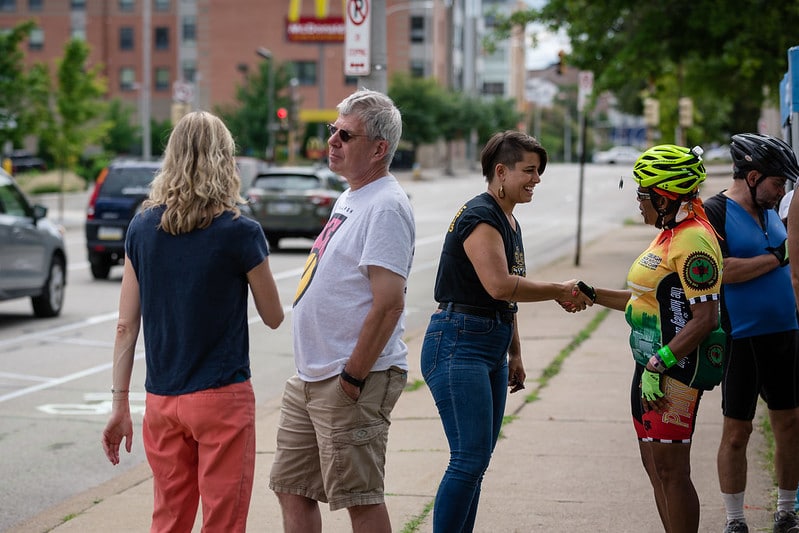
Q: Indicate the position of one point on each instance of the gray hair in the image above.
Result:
(379, 115)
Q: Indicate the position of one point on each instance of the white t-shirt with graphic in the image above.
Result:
(371, 226)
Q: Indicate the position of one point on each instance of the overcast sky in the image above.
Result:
(546, 51)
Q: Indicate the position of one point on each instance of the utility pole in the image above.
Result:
(377, 80)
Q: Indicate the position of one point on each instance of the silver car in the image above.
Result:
(33, 256)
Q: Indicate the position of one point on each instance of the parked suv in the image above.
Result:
(32, 252)
(118, 193)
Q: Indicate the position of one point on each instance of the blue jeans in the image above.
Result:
(464, 363)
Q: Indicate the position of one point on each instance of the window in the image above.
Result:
(417, 29)
(162, 78)
(8, 5)
(417, 68)
(36, 39)
(162, 38)
(162, 5)
(78, 33)
(77, 5)
(127, 79)
(126, 5)
(494, 88)
(305, 72)
(189, 70)
(35, 5)
(189, 29)
(126, 41)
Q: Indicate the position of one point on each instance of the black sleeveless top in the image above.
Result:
(457, 280)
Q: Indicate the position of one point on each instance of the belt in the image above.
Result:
(485, 312)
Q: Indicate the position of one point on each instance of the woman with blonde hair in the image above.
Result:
(190, 258)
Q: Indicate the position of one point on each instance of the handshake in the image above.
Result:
(580, 296)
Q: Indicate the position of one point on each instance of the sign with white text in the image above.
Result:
(356, 40)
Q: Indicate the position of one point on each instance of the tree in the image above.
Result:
(15, 120)
(71, 117)
(722, 54)
(247, 119)
(122, 137)
(419, 100)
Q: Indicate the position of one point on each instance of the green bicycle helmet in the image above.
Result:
(670, 168)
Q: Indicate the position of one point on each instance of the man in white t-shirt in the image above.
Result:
(348, 323)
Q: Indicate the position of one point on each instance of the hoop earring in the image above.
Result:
(501, 192)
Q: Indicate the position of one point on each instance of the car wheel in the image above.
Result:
(101, 267)
(51, 300)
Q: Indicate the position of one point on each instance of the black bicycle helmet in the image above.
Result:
(766, 154)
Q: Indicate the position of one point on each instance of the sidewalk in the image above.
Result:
(567, 461)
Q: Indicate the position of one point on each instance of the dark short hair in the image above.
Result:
(508, 148)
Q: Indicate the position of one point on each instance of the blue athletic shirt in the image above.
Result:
(194, 291)
(762, 305)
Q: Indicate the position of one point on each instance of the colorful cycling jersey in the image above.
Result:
(762, 305)
(682, 266)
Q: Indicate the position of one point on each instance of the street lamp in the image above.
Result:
(266, 53)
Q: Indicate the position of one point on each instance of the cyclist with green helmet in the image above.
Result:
(671, 305)
(758, 311)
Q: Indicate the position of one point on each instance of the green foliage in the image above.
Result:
(421, 101)
(159, 135)
(123, 137)
(71, 120)
(15, 120)
(247, 119)
(721, 54)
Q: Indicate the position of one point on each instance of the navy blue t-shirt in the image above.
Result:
(457, 280)
(194, 291)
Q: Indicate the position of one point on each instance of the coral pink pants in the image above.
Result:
(201, 446)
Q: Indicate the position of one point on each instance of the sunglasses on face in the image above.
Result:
(344, 135)
(642, 195)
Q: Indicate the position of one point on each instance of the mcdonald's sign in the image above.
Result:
(318, 28)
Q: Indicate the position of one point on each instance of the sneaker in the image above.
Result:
(786, 522)
(736, 526)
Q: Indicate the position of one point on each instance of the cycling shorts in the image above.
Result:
(676, 424)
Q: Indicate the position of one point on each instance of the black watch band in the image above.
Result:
(352, 380)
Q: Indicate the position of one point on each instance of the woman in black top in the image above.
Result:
(471, 351)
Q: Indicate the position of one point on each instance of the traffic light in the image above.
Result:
(686, 112)
(283, 115)
(560, 68)
(651, 112)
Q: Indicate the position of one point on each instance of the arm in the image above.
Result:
(740, 269)
(793, 243)
(486, 251)
(388, 304)
(120, 425)
(264, 292)
(516, 373)
(613, 298)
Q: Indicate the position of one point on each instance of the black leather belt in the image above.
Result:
(485, 312)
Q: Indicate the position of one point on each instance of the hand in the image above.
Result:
(780, 252)
(573, 299)
(516, 374)
(651, 395)
(350, 390)
(119, 426)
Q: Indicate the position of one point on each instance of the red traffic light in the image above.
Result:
(282, 113)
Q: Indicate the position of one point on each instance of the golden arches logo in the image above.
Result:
(321, 9)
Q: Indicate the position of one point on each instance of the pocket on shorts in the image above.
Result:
(359, 455)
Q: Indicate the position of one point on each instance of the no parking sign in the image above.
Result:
(356, 38)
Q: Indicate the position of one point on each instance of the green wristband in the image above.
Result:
(667, 356)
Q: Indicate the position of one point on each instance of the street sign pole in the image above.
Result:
(584, 89)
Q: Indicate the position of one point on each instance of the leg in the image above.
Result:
(296, 474)
(223, 423)
(785, 426)
(370, 518)
(731, 460)
(671, 471)
(300, 514)
(660, 497)
(462, 369)
(172, 455)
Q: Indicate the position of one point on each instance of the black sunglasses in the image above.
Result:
(344, 135)
(643, 195)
